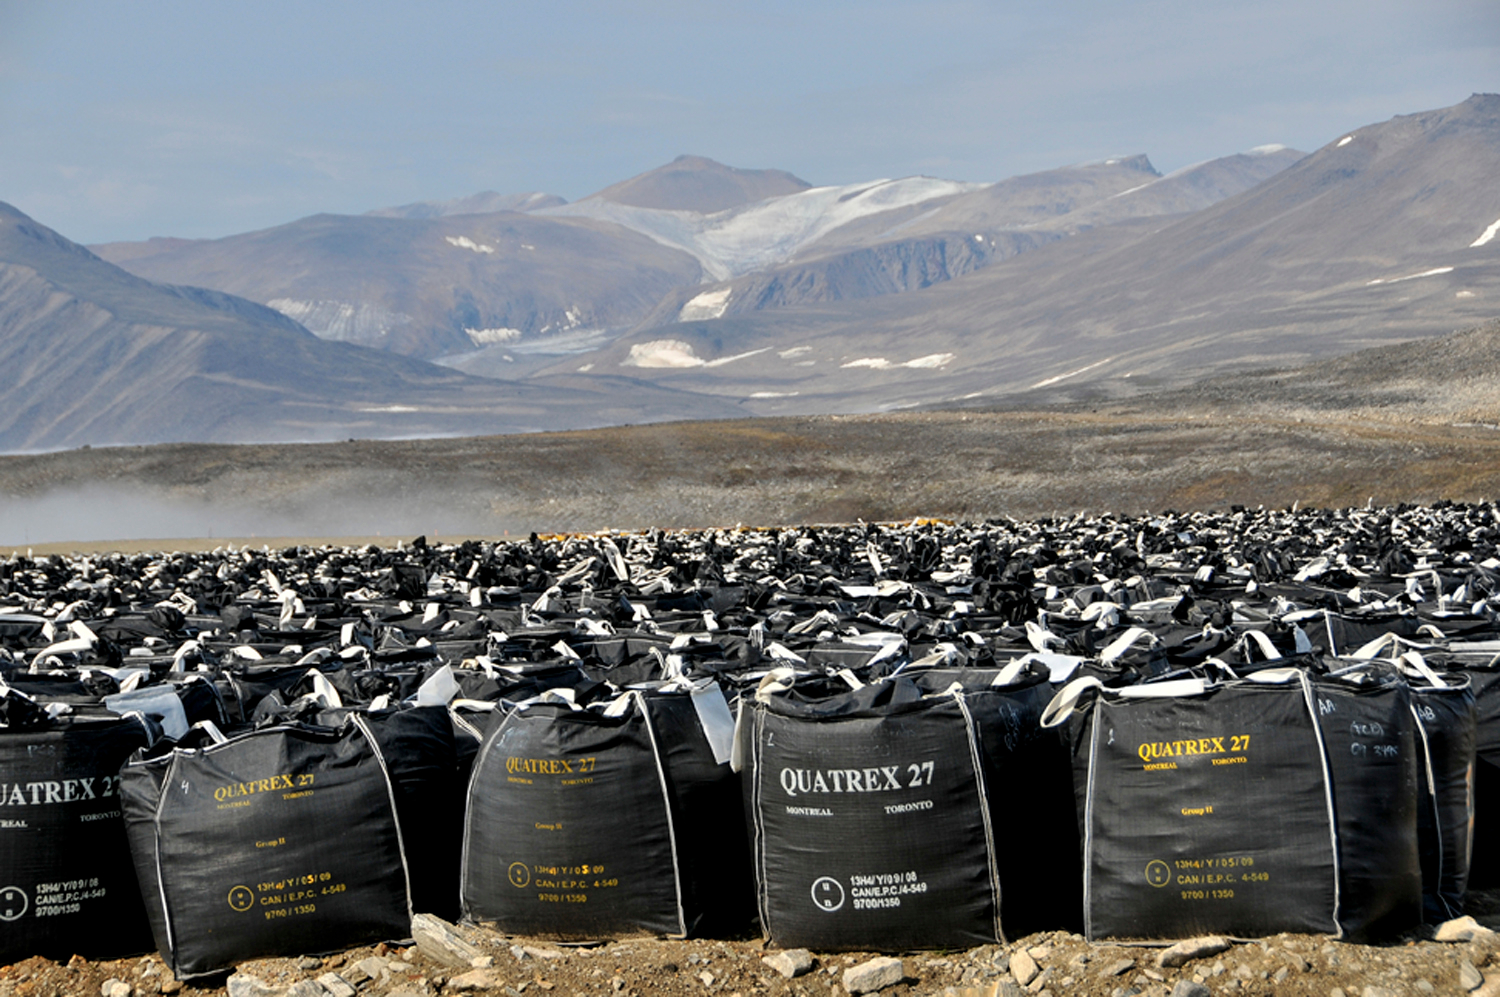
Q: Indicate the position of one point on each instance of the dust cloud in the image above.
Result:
(97, 513)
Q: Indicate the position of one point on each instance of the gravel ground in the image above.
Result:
(1050, 963)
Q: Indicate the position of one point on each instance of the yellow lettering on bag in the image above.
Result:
(269, 784)
(548, 766)
(1154, 751)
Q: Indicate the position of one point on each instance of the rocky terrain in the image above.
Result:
(478, 960)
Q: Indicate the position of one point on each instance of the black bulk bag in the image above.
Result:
(582, 822)
(66, 882)
(695, 730)
(420, 753)
(1374, 759)
(1347, 634)
(1447, 725)
(869, 820)
(1482, 665)
(1037, 847)
(284, 683)
(276, 842)
(1178, 781)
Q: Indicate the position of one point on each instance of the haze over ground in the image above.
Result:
(126, 121)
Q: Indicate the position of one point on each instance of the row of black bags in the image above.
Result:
(936, 807)
(555, 727)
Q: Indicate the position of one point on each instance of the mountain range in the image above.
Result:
(698, 290)
(1386, 233)
(90, 354)
(482, 282)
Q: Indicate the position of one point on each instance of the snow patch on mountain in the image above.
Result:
(1132, 190)
(708, 305)
(662, 353)
(740, 240)
(489, 337)
(1411, 276)
(721, 361)
(930, 361)
(344, 321)
(464, 242)
(676, 353)
(1072, 373)
(1486, 236)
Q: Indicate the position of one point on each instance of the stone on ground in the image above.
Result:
(336, 985)
(1462, 929)
(245, 985)
(438, 941)
(790, 963)
(1187, 988)
(876, 974)
(1185, 952)
(1023, 967)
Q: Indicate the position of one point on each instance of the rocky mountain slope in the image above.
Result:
(426, 287)
(1387, 233)
(698, 184)
(941, 238)
(90, 354)
(485, 202)
(494, 284)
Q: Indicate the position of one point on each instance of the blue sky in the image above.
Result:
(127, 120)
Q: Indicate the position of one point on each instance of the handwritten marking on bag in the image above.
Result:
(884, 778)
